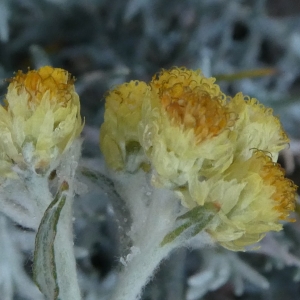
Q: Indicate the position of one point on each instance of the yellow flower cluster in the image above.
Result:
(41, 108)
(207, 147)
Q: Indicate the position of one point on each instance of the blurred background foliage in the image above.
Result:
(251, 46)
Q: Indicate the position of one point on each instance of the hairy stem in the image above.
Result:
(64, 255)
(154, 212)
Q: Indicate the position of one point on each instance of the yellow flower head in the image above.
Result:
(42, 108)
(192, 101)
(256, 128)
(119, 132)
(185, 127)
(253, 198)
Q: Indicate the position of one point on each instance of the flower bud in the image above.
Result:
(42, 110)
(119, 141)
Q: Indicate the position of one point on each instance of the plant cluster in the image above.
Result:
(188, 162)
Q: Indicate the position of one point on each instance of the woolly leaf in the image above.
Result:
(44, 268)
(202, 223)
(198, 212)
(170, 237)
(198, 218)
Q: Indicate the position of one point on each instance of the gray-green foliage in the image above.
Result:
(105, 42)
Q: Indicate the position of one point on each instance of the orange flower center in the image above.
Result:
(285, 190)
(195, 108)
(57, 81)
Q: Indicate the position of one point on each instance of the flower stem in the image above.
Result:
(154, 212)
(64, 255)
(138, 272)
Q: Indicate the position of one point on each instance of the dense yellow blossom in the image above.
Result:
(253, 197)
(185, 125)
(42, 109)
(206, 147)
(191, 101)
(119, 132)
